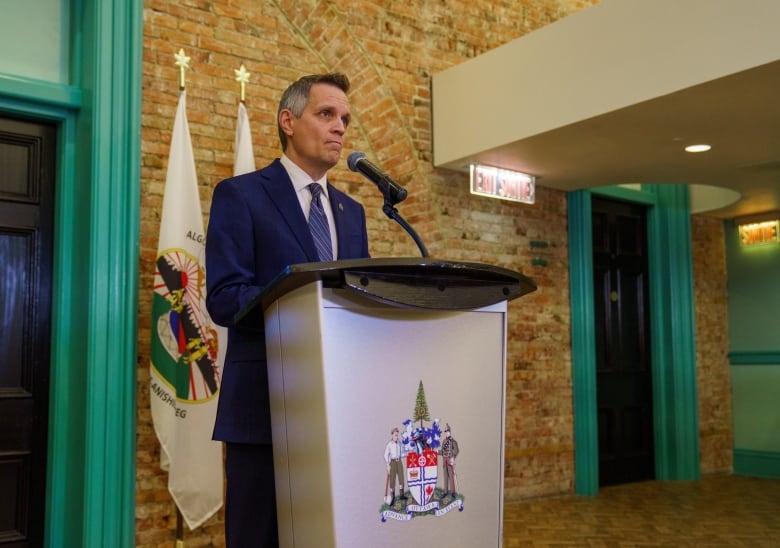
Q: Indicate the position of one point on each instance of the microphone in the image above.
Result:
(392, 191)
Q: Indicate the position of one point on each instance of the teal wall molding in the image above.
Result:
(583, 344)
(38, 91)
(675, 398)
(760, 464)
(110, 72)
(755, 358)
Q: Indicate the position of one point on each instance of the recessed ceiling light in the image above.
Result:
(697, 148)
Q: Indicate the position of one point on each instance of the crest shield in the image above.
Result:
(421, 473)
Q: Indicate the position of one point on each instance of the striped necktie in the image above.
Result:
(318, 224)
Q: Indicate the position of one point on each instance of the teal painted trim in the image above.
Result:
(675, 399)
(760, 464)
(659, 343)
(583, 344)
(626, 194)
(754, 358)
(112, 76)
(65, 460)
(48, 93)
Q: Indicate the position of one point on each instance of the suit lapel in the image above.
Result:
(281, 192)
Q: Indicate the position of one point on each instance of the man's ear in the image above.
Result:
(285, 121)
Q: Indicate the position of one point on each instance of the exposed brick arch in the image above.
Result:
(378, 116)
(327, 33)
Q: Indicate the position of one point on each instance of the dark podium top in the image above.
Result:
(411, 283)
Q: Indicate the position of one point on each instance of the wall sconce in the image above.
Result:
(759, 229)
(495, 182)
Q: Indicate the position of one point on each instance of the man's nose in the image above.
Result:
(339, 126)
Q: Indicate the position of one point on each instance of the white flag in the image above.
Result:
(243, 162)
(243, 156)
(185, 379)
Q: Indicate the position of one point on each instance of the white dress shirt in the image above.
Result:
(301, 181)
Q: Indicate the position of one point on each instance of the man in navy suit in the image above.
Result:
(258, 226)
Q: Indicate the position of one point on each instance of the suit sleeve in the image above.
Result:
(230, 253)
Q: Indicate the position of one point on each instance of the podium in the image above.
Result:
(359, 348)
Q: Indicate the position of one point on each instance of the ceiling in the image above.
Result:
(738, 115)
(613, 93)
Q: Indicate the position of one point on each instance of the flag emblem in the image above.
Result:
(189, 363)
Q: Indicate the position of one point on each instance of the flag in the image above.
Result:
(243, 156)
(185, 379)
(243, 162)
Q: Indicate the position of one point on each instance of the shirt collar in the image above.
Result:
(300, 179)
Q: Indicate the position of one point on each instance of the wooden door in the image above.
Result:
(624, 381)
(27, 173)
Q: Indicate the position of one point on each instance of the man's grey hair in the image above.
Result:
(296, 96)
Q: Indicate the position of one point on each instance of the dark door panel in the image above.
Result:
(27, 168)
(624, 381)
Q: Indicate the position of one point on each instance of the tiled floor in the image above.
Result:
(716, 511)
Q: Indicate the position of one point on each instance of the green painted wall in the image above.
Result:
(756, 407)
(37, 32)
(754, 295)
(754, 343)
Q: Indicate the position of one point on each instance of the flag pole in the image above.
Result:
(183, 62)
(179, 529)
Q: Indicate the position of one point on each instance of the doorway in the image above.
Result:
(624, 379)
(27, 180)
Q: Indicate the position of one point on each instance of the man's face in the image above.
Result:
(315, 140)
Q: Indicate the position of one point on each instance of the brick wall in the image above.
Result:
(389, 50)
(716, 436)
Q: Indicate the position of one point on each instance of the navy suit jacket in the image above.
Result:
(256, 229)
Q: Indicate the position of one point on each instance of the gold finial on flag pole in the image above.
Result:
(242, 76)
(183, 62)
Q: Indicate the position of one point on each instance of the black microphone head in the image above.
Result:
(353, 159)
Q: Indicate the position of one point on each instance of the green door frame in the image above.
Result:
(675, 400)
(90, 499)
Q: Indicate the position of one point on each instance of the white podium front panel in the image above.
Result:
(344, 371)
